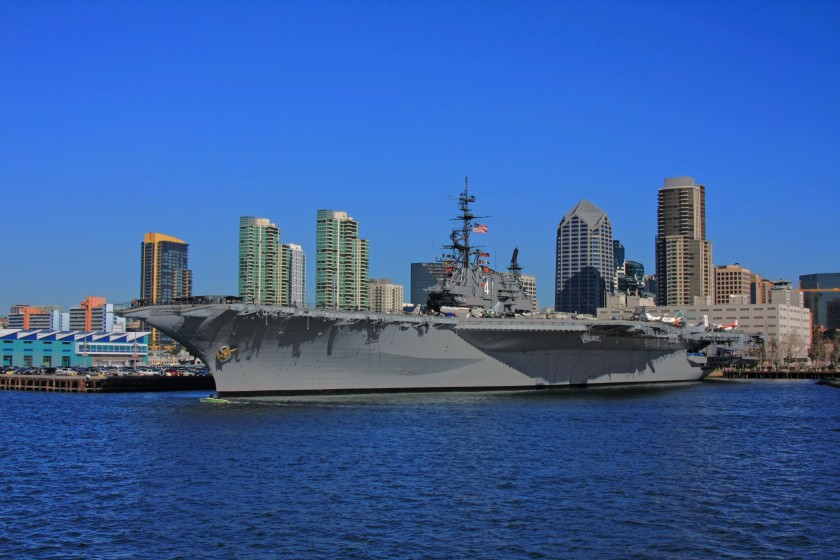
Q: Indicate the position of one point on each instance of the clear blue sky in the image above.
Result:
(120, 118)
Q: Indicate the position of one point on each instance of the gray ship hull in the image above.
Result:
(262, 350)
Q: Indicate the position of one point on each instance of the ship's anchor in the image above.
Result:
(225, 353)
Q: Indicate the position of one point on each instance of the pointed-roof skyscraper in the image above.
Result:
(585, 266)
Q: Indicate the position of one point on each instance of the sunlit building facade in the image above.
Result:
(385, 296)
(164, 274)
(683, 255)
(342, 263)
(260, 262)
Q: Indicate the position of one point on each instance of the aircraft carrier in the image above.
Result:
(477, 331)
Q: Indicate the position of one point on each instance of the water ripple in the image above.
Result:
(723, 470)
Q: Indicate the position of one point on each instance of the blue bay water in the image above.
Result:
(705, 470)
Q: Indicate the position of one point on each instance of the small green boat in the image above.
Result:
(214, 400)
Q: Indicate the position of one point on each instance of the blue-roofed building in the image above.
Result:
(54, 349)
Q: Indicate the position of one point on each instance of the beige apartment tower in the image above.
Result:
(529, 286)
(385, 296)
(683, 255)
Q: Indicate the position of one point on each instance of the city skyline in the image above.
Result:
(120, 123)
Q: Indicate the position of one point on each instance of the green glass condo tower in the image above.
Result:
(342, 263)
(260, 263)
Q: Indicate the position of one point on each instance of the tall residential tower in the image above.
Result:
(164, 273)
(683, 255)
(260, 263)
(342, 263)
(294, 275)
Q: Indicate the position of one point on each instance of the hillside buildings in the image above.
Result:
(683, 255)
(342, 263)
(585, 261)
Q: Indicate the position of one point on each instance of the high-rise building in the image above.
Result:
(164, 271)
(585, 263)
(260, 263)
(731, 280)
(529, 286)
(294, 275)
(819, 291)
(164, 274)
(385, 296)
(342, 263)
(683, 255)
(425, 275)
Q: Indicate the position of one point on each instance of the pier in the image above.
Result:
(106, 384)
(777, 374)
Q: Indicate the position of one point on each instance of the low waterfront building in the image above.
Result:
(785, 322)
(56, 349)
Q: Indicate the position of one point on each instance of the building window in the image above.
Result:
(7, 360)
(65, 361)
(47, 361)
(27, 361)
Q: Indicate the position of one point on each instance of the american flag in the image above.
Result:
(479, 228)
